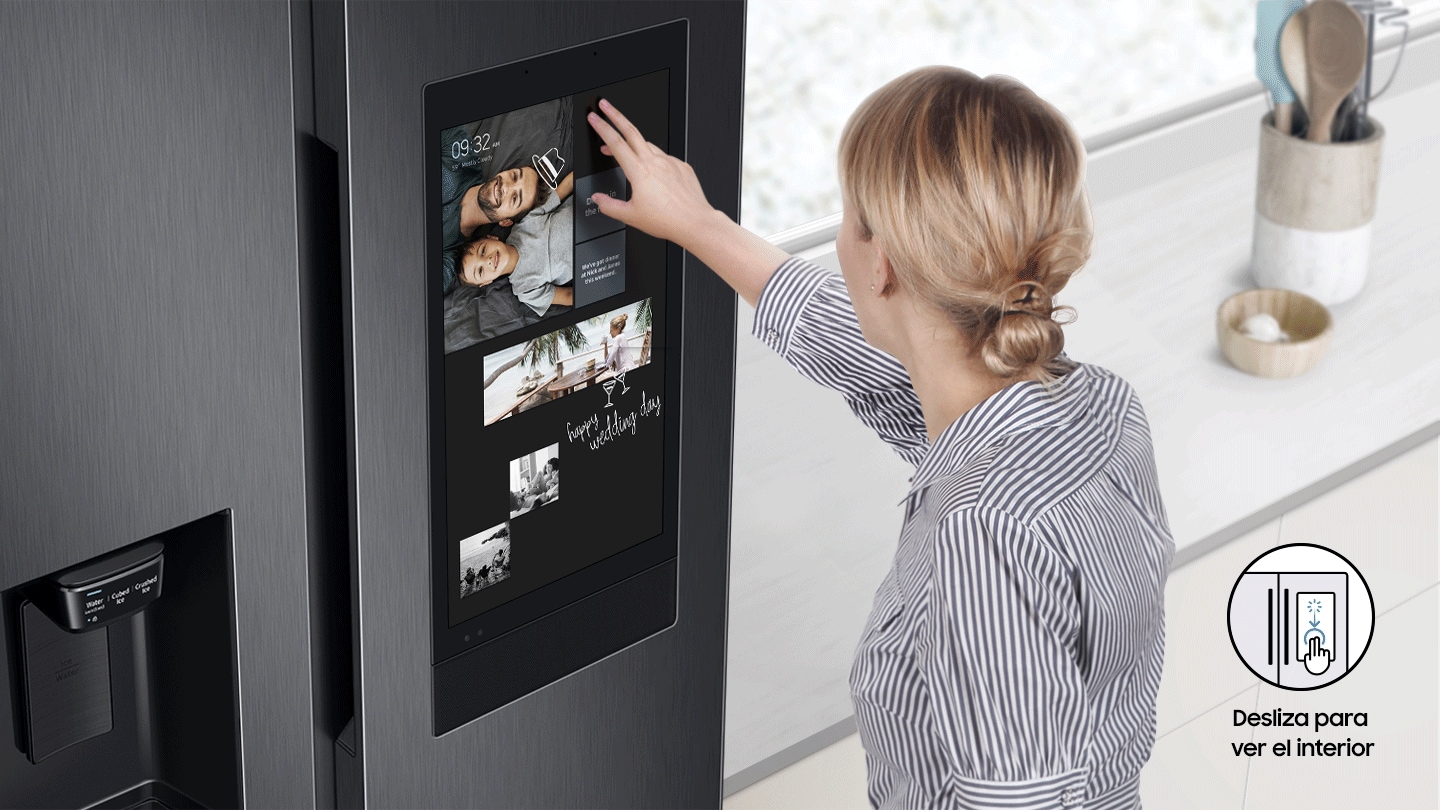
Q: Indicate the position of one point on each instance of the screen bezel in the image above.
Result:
(452, 102)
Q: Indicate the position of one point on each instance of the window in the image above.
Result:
(1099, 61)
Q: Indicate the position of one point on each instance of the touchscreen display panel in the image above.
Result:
(554, 339)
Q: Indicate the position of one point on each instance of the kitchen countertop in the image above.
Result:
(1229, 445)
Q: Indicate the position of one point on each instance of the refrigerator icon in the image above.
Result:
(1292, 629)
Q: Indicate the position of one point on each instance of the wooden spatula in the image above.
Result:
(1292, 59)
(1334, 58)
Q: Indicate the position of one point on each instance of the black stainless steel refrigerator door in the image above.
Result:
(150, 353)
(644, 727)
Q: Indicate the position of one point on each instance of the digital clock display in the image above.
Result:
(465, 147)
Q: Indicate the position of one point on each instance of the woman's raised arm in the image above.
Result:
(666, 201)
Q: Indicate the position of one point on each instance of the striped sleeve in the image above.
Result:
(1009, 701)
(805, 315)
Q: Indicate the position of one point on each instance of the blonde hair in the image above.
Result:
(618, 322)
(976, 190)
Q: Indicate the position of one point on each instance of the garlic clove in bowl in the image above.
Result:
(1263, 327)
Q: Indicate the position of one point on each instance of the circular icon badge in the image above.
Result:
(1301, 616)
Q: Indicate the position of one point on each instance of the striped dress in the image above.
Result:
(1013, 653)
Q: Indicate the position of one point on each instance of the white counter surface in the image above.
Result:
(1227, 444)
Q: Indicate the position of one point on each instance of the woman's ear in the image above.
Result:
(883, 274)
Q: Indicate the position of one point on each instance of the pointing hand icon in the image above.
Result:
(1317, 659)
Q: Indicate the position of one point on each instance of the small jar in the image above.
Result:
(1314, 205)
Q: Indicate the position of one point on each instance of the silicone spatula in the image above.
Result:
(1292, 58)
(1270, 17)
(1335, 43)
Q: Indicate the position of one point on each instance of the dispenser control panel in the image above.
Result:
(94, 605)
(103, 591)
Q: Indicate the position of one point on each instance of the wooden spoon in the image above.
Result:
(1292, 59)
(1335, 43)
(1270, 17)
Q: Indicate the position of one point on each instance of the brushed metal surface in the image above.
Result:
(553, 646)
(149, 318)
(644, 727)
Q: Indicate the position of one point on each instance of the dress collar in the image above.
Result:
(1015, 408)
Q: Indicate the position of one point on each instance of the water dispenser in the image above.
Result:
(122, 680)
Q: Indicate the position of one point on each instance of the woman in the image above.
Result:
(1014, 650)
(552, 479)
(619, 358)
(538, 492)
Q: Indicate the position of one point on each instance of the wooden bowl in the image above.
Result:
(1304, 319)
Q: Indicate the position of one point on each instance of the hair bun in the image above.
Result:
(1026, 297)
(1026, 333)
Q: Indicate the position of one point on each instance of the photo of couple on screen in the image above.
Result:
(535, 480)
(507, 222)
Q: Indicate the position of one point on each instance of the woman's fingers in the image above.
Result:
(666, 199)
(618, 210)
(654, 150)
(632, 134)
(619, 148)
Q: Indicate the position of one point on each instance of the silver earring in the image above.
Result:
(872, 288)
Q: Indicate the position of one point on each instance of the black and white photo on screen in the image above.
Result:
(534, 480)
(484, 559)
(575, 357)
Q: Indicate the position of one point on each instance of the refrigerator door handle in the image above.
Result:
(1285, 632)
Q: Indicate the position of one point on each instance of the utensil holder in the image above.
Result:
(1314, 205)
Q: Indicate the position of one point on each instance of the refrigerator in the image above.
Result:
(234, 533)
(1292, 629)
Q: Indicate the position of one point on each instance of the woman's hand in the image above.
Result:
(666, 201)
(665, 198)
